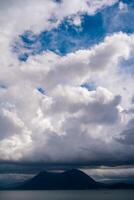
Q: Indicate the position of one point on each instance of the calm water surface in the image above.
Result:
(68, 195)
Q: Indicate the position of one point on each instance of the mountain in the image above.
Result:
(69, 180)
(72, 179)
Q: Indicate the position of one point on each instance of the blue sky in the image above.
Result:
(68, 37)
(65, 38)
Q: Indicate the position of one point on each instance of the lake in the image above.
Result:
(68, 195)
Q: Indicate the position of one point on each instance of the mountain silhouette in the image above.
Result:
(69, 180)
(72, 179)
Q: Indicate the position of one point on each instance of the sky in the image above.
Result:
(66, 87)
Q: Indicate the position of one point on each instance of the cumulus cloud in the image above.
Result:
(10, 124)
(76, 68)
(66, 123)
(43, 11)
(66, 114)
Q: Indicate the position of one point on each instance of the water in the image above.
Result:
(68, 195)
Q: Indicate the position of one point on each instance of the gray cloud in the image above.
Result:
(127, 135)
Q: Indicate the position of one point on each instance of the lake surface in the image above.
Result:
(68, 195)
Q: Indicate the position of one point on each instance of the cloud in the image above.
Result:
(127, 136)
(43, 11)
(120, 174)
(67, 116)
(9, 124)
(76, 68)
(66, 123)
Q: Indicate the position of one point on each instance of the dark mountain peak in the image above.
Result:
(79, 175)
(74, 171)
(40, 175)
(71, 179)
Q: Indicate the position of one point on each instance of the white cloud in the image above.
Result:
(75, 68)
(67, 114)
(123, 6)
(67, 123)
